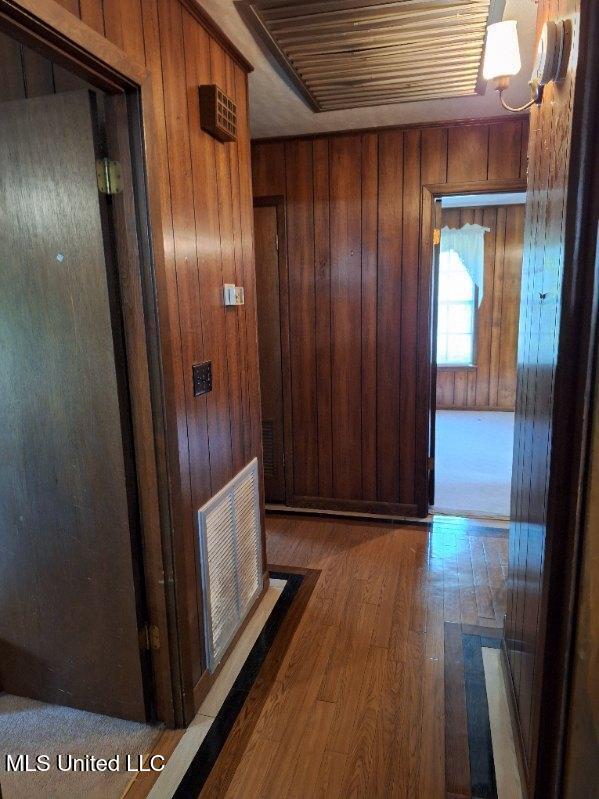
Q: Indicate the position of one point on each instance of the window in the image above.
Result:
(457, 309)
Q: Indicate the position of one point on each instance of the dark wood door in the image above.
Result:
(266, 221)
(68, 601)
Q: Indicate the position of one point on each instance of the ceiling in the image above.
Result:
(278, 109)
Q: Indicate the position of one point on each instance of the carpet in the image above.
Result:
(35, 728)
(473, 462)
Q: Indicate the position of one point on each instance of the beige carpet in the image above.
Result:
(473, 462)
(34, 728)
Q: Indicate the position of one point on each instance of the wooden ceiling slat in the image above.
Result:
(345, 44)
(402, 55)
(293, 10)
(352, 53)
(374, 16)
(470, 23)
(391, 89)
(403, 97)
(382, 71)
(431, 73)
(386, 64)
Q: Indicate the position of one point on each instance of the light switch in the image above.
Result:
(233, 295)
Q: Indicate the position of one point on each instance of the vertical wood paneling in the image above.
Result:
(248, 270)
(505, 150)
(210, 279)
(468, 153)
(354, 207)
(92, 13)
(124, 27)
(346, 251)
(229, 264)
(268, 169)
(300, 258)
(409, 318)
(549, 150)
(370, 184)
(322, 285)
(510, 308)
(389, 316)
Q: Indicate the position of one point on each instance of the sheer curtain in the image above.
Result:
(469, 244)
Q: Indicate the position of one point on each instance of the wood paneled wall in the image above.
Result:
(491, 384)
(206, 200)
(542, 286)
(353, 212)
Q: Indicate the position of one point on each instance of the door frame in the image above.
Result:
(427, 362)
(52, 31)
(278, 201)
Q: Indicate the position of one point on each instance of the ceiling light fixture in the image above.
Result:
(502, 58)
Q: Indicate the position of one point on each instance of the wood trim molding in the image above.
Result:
(216, 32)
(50, 28)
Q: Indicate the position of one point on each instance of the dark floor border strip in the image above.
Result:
(456, 524)
(215, 762)
(480, 744)
(469, 762)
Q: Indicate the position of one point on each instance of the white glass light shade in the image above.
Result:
(502, 53)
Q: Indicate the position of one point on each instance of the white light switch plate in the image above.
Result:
(234, 295)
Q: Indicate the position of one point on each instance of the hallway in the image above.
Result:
(356, 703)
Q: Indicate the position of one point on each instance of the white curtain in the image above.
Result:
(469, 244)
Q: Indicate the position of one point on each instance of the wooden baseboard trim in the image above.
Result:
(494, 408)
(350, 508)
(515, 721)
(166, 744)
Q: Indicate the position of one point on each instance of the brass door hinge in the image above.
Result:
(436, 237)
(149, 637)
(110, 179)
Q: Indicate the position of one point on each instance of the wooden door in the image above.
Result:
(267, 221)
(68, 601)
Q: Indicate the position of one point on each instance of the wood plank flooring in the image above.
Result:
(357, 707)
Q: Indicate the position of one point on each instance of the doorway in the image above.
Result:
(78, 486)
(478, 267)
(273, 343)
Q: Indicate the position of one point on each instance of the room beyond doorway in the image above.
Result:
(478, 269)
(473, 462)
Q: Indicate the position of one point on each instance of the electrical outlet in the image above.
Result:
(202, 378)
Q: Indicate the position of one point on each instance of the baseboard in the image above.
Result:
(514, 718)
(495, 409)
(389, 509)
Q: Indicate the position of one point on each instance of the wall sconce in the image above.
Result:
(502, 58)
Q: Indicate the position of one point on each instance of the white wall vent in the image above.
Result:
(231, 559)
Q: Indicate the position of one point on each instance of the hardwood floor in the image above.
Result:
(357, 707)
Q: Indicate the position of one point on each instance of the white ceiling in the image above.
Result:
(277, 110)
